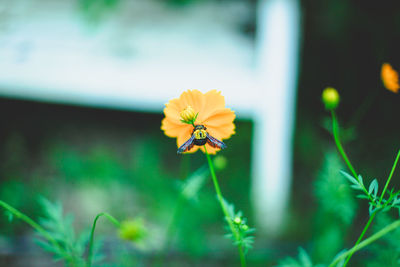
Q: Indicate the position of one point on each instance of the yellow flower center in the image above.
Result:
(188, 115)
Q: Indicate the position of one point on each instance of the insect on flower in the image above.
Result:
(199, 138)
(198, 121)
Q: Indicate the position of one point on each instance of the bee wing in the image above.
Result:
(215, 142)
(186, 146)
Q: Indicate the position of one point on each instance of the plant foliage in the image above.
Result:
(244, 237)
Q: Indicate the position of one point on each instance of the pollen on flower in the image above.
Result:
(188, 115)
(390, 78)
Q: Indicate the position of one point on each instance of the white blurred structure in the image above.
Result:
(278, 47)
(147, 53)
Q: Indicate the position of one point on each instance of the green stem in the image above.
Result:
(390, 176)
(33, 224)
(371, 218)
(111, 219)
(366, 242)
(224, 209)
(336, 136)
(335, 129)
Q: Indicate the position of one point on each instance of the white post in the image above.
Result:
(278, 44)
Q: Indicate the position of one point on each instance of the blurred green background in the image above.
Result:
(93, 159)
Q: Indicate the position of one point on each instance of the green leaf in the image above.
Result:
(304, 258)
(241, 228)
(360, 180)
(371, 209)
(193, 184)
(356, 187)
(349, 177)
(373, 188)
(396, 201)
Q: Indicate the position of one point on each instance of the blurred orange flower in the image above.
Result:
(390, 78)
(210, 111)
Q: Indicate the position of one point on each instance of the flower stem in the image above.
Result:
(371, 218)
(224, 209)
(390, 176)
(34, 225)
(335, 129)
(90, 251)
(366, 242)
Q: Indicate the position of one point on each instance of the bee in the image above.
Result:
(200, 137)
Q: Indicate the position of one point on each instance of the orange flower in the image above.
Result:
(390, 78)
(209, 110)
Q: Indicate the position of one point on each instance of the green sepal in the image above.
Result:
(191, 122)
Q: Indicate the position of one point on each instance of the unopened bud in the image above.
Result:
(237, 220)
(132, 230)
(188, 115)
(330, 97)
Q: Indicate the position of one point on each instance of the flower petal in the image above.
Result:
(222, 132)
(210, 150)
(172, 110)
(173, 129)
(220, 117)
(213, 100)
(220, 123)
(193, 98)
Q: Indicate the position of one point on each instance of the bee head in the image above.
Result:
(199, 127)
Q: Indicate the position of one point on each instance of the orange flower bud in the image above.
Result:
(390, 78)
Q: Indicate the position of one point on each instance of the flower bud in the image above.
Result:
(132, 230)
(237, 220)
(390, 78)
(330, 97)
(188, 115)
